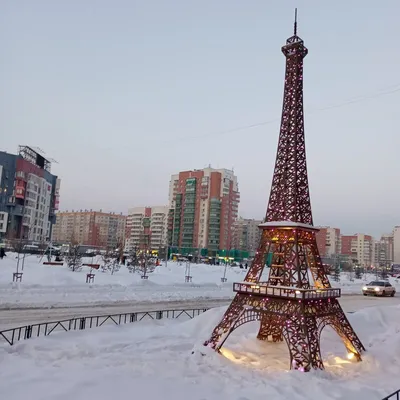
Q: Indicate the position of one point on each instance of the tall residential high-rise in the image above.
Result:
(328, 241)
(384, 250)
(90, 228)
(246, 235)
(29, 195)
(158, 223)
(360, 248)
(204, 206)
(396, 245)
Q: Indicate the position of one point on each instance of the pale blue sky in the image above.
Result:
(125, 93)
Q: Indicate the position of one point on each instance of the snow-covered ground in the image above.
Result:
(52, 286)
(163, 360)
(47, 286)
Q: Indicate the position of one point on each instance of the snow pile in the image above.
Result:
(52, 286)
(55, 285)
(155, 360)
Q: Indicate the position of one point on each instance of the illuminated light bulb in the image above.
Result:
(350, 356)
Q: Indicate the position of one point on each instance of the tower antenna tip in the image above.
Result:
(295, 21)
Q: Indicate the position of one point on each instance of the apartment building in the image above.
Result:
(29, 195)
(328, 241)
(384, 250)
(246, 235)
(360, 248)
(139, 219)
(396, 245)
(91, 228)
(204, 206)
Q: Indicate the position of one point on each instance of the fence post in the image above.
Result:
(28, 332)
(159, 315)
(133, 317)
(82, 323)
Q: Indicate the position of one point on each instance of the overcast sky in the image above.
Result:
(124, 93)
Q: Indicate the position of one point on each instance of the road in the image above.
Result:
(20, 317)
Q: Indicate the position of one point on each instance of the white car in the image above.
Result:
(379, 288)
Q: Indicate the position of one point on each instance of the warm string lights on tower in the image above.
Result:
(288, 305)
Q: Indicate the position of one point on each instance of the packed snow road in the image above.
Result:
(18, 317)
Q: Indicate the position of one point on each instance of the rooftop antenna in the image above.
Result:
(295, 22)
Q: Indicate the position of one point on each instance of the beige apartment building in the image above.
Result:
(328, 241)
(384, 250)
(158, 226)
(246, 235)
(396, 245)
(360, 248)
(91, 228)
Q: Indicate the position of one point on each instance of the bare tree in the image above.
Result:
(120, 250)
(74, 257)
(146, 264)
(107, 260)
(358, 272)
(132, 261)
(336, 274)
(110, 262)
(141, 262)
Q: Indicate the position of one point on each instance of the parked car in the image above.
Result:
(379, 288)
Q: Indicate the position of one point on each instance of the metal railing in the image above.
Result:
(14, 335)
(394, 396)
(285, 291)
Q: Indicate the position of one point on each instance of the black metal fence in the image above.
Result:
(14, 335)
(393, 396)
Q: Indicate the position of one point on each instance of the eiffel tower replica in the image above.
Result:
(297, 301)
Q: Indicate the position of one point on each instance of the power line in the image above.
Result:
(358, 99)
(382, 92)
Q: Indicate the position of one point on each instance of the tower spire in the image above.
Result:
(295, 22)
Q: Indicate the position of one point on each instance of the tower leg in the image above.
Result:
(270, 328)
(301, 334)
(227, 324)
(339, 322)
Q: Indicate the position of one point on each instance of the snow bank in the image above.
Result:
(154, 360)
(52, 286)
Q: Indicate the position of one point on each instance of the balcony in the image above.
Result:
(262, 289)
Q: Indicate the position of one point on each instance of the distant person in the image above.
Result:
(246, 265)
(241, 265)
(2, 253)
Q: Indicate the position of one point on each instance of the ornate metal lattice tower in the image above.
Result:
(287, 305)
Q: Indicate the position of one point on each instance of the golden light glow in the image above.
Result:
(341, 361)
(228, 354)
(350, 356)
